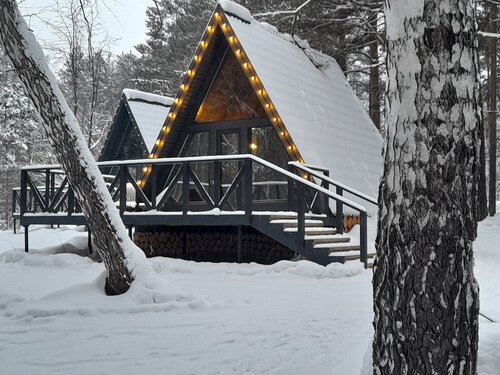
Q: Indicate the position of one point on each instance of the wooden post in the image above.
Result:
(248, 189)
(301, 217)
(363, 238)
(152, 178)
(123, 189)
(185, 187)
(89, 241)
(26, 239)
(24, 193)
(340, 212)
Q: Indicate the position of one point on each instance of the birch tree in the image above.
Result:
(123, 260)
(425, 295)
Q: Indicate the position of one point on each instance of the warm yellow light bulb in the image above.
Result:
(268, 105)
(158, 142)
(275, 119)
(231, 39)
(197, 58)
(283, 134)
(183, 86)
(139, 182)
(190, 72)
(224, 26)
(253, 78)
(253, 146)
(165, 128)
(203, 44)
(245, 65)
(290, 147)
(217, 14)
(145, 169)
(210, 29)
(151, 156)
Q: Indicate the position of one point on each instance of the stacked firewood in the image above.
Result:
(214, 244)
(350, 221)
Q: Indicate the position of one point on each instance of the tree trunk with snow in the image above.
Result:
(110, 236)
(492, 118)
(374, 94)
(425, 295)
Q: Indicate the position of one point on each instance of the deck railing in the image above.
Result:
(45, 190)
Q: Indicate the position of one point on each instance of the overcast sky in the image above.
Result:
(124, 20)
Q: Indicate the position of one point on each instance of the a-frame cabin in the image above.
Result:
(238, 171)
(138, 119)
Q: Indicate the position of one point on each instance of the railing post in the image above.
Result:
(185, 187)
(340, 212)
(71, 200)
(152, 178)
(363, 238)
(291, 190)
(123, 189)
(24, 193)
(47, 189)
(248, 188)
(301, 217)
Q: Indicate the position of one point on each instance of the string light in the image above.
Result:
(210, 29)
(151, 156)
(158, 142)
(253, 78)
(224, 26)
(165, 128)
(238, 52)
(196, 58)
(253, 146)
(283, 134)
(203, 44)
(231, 39)
(171, 115)
(275, 119)
(217, 14)
(245, 65)
(268, 105)
(183, 87)
(145, 169)
(139, 182)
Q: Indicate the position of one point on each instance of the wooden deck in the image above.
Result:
(300, 218)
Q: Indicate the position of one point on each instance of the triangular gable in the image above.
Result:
(315, 106)
(136, 123)
(149, 112)
(231, 96)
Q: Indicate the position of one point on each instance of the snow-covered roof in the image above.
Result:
(149, 112)
(319, 108)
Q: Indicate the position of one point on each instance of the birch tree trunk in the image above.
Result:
(426, 301)
(117, 251)
(492, 118)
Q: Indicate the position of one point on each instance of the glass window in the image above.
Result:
(231, 96)
(268, 184)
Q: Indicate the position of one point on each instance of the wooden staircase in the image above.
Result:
(322, 244)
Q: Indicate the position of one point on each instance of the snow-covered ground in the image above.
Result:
(288, 318)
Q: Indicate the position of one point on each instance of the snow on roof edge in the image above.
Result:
(131, 94)
(236, 9)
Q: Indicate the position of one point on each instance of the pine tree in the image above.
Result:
(426, 300)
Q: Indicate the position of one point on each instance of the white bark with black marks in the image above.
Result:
(123, 260)
(426, 299)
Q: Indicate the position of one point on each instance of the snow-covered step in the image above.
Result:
(293, 223)
(347, 255)
(314, 230)
(338, 247)
(331, 238)
(290, 216)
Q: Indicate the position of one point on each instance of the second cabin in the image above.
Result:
(265, 153)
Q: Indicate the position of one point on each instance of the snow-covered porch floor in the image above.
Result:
(288, 318)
